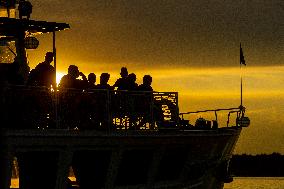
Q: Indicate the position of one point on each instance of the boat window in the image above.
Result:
(4, 13)
(7, 50)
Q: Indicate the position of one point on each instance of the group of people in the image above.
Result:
(44, 75)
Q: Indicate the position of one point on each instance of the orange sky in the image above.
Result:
(187, 46)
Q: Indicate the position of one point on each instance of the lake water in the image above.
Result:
(238, 183)
(256, 183)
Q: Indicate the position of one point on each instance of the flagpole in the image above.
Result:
(241, 90)
(241, 76)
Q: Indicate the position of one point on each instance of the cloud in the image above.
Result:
(170, 33)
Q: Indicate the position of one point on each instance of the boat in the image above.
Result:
(110, 139)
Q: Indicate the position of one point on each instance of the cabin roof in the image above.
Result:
(11, 26)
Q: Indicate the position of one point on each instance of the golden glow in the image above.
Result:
(197, 38)
(59, 75)
(4, 13)
(221, 81)
(206, 82)
(14, 183)
(211, 88)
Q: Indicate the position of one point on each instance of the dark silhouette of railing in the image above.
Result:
(202, 123)
(39, 107)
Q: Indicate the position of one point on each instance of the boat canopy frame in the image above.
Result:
(11, 26)
(20, 28)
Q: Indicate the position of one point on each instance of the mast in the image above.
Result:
(242, 61)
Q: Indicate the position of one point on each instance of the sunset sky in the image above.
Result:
(187, 46)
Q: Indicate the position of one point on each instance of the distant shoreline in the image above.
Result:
(263, 165)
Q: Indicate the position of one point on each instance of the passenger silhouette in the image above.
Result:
(71, 79)
(92, 78)
(25, 9)
(130, 101)
(131, 84)
(122, 83)
(146, 86)
(100, 110)
(145, 102)
(104, 82)
(44, 73)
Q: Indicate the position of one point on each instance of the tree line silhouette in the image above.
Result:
(262, 165)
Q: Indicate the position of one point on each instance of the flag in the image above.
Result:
(242, 58)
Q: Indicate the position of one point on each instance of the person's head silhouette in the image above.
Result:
(123, 72)
(49, 57)
(92, 78)
(147, 80)
(132, 77)
(104, 78)
(73, 71)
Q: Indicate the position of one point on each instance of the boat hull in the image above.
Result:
(126, 159)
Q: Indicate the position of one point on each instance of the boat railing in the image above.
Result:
(42, 108)
(203, 123)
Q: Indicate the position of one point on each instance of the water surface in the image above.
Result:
(256, 183)
(238, 183)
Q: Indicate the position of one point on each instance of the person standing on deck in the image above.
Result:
(71, 79)
(25, 9)
(146, 86)
(92, 78)
(145, 102)
(122, 83)
(132, 85)
(104, 82)
(44, 73)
